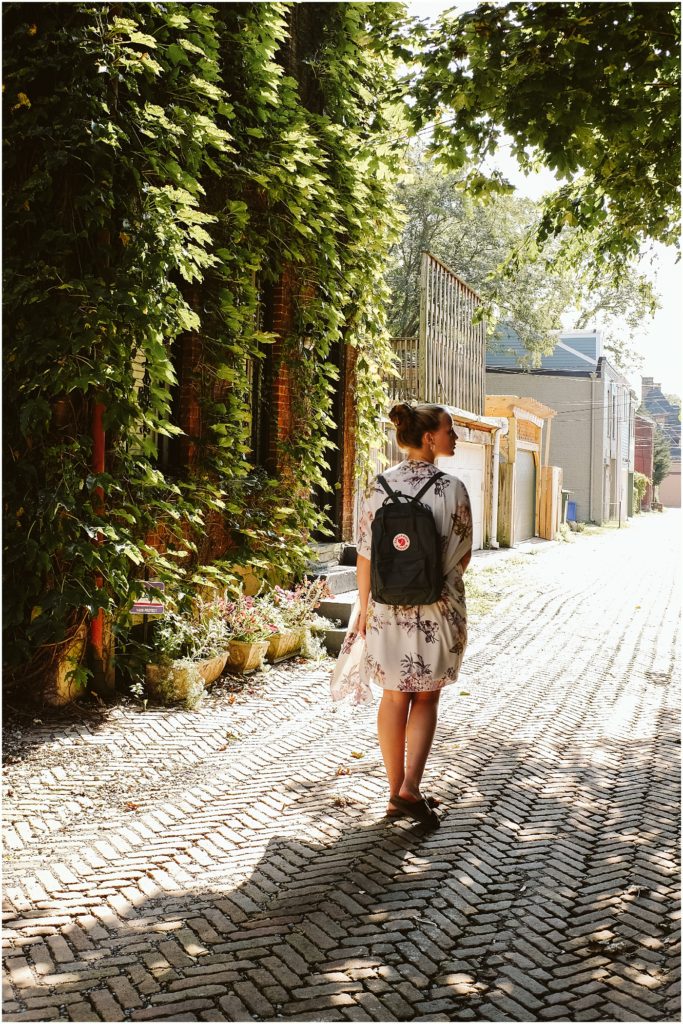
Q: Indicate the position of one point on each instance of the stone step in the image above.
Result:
(349, 555)
(333, 640)
(338, 607)
(340, 578)
(324, 554)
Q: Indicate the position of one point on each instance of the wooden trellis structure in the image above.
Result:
(446, 363)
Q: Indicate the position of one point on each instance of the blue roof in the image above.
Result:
(574, 351)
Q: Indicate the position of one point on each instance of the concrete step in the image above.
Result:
(333, 640)
(338, 607)
(325, 553)
(340, 578)
(349, 555)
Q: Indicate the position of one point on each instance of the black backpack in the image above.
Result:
(405, 556)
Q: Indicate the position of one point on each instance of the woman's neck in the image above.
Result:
(419, 455)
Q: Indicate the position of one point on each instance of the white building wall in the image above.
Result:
(595, 414)
(670, 487)
(570, 433)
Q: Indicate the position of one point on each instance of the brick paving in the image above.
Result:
(232, 863)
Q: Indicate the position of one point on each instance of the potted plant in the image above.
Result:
(297, 610)
(284, 641)
(249, 633)
(190, 652)
(297, 606)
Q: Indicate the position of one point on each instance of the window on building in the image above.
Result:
(259, 375)
(167, 458)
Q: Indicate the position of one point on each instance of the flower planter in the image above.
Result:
(60, 686)
(211, 668)
(285, 645)
(246, 657)
(177, 680)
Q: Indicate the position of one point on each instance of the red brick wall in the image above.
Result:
(644, 454)
(216, 540)
(288, 290)
(281, 398)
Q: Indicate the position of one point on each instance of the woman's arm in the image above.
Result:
(462, 525)
(363, 577)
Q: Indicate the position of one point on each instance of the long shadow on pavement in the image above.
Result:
(547, 893)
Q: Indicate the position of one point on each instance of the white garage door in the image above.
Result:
(468, 465)
(525, 496)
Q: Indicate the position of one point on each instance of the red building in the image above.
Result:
(644, 456)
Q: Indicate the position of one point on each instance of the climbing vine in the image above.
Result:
(166, 164)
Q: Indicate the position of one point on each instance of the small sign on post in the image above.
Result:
(147, 607)
(150, 605)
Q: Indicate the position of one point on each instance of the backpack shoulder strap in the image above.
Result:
(387, 488)
(426, 487)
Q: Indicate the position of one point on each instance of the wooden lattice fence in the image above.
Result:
(446, 363)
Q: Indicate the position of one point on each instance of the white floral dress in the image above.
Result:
(412, 648)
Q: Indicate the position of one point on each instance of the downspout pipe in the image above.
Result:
(591, 518)
(498, 432)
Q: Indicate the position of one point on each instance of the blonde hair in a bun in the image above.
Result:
(413, 421)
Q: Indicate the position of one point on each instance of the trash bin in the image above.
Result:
(565, 499)
(571, 511)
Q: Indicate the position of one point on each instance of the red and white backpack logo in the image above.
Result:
(401, 541)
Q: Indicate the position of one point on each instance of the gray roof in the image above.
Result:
(575, 352)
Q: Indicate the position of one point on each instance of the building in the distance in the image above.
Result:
(593, 434)
(667, 417)
(644, 454)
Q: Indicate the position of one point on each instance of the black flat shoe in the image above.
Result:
(431, 800)
(418, 810)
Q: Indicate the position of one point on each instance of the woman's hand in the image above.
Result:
(360, 623)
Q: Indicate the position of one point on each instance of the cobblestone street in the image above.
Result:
(233, 863)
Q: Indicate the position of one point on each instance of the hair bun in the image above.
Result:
(412, 422)
(401, 412)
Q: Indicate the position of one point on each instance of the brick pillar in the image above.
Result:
(281, 384)
(348, 453)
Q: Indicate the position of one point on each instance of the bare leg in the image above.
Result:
(419, 735)
(391, 732)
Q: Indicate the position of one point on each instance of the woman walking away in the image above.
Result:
(410, 650)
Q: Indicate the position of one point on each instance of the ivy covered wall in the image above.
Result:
(172, 172)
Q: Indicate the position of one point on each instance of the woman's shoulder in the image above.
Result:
(453, 486)
(411, 475)
(458, 489)
(452, 479)
(398, 469)
(374, 486)
(415, 474)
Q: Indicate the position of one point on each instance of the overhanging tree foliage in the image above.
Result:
(163, 164)
(539, 295)
(589, 90)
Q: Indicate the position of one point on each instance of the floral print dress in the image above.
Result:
(412, 648)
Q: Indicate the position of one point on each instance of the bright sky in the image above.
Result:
(660, 339)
